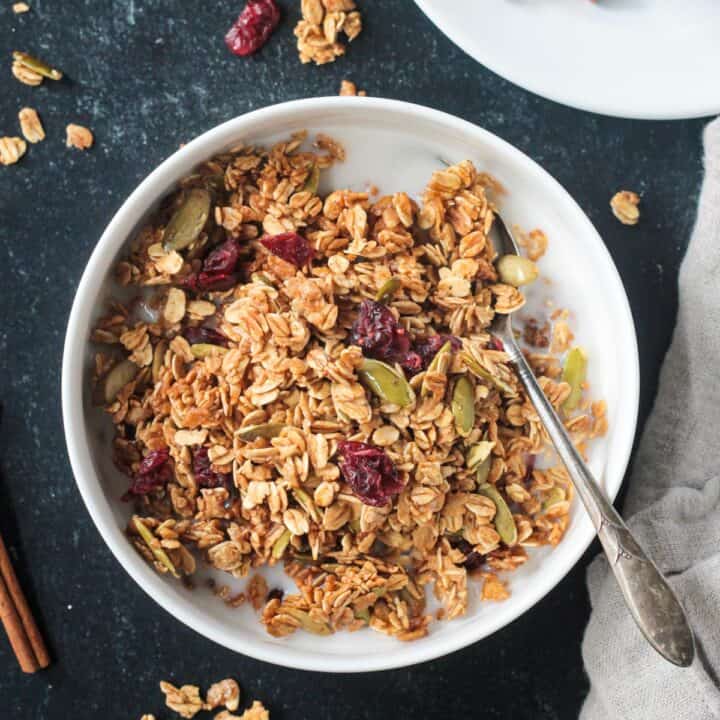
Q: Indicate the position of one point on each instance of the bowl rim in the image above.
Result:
(73, 377)
(653, 109)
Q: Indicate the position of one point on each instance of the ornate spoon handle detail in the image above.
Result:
(651, 600)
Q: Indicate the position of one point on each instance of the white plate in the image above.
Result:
(650, 59)
(396, 146)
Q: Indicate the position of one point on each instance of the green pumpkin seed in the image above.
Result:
(307, 623)
(37, 65)
(263, 430)
(262, 278)
(516, 270)
(386, 382)
(483, 471)
(313, 181)
(555, 496)
(158, 359)
(434, 366)
(203, 350)
(504, 521)
(188, 220)
(154, 544)
(306, 502)
(574, 373)
(280, 544)
(363, 614)
(478, 370)
(477, 453)
(463, 406)
(123, 373)
(387, 290)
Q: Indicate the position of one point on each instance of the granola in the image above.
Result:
(11, 150)
(318, 31)
(30, 125)
(624, 205)
(310, 380)
(78, 136)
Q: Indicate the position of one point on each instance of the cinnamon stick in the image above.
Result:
(18, 619)
(16, 632)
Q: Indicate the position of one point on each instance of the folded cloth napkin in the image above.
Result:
(673, 503)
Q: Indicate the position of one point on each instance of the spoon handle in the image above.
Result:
(651, 600)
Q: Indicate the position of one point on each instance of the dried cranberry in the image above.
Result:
(369, 472)
(473, 560)
(195, 335)
(275, 594)
(495, 343)
(154, 472)
(253, 27)
(205, 476)
(379, 334)
(223, 258)
(218, 270)
(429, 346)
(289, 246)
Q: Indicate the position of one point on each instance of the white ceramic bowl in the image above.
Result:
(396, 146)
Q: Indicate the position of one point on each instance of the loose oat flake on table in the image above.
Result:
(309, 380)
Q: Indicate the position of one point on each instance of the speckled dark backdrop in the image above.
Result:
(146, 76)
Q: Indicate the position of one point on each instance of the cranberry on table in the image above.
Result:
(253, 27)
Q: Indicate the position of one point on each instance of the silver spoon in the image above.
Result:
(653, 604)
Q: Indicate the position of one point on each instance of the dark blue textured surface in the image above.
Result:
(146, 75)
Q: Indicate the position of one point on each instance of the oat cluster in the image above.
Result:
(30, 70)
(625, 207)
(319, 31)
(230, 403)
(187, 701)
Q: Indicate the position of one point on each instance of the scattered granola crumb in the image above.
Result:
(535, 243)
(321, 24)
(257, 591)
(256, 712)
(30, 125)
(78, 137)
(349, 89)
(11, 150)
(624, 205)
(148, 717)
(25, 75)
(226, 692)
(185, 700)
(494, 588)
(20, 7)
(536, 335)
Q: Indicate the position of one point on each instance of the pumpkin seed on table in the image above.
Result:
(188, 221)
(387, 290)
(154, 545)
(123, 373)
(37, 65)
(463, 406)
(386, 382)
(263, 430)
(516, 270)
(574, 372)
(203, 350)
(503, 521)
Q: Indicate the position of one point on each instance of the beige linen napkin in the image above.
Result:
(674, 504)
